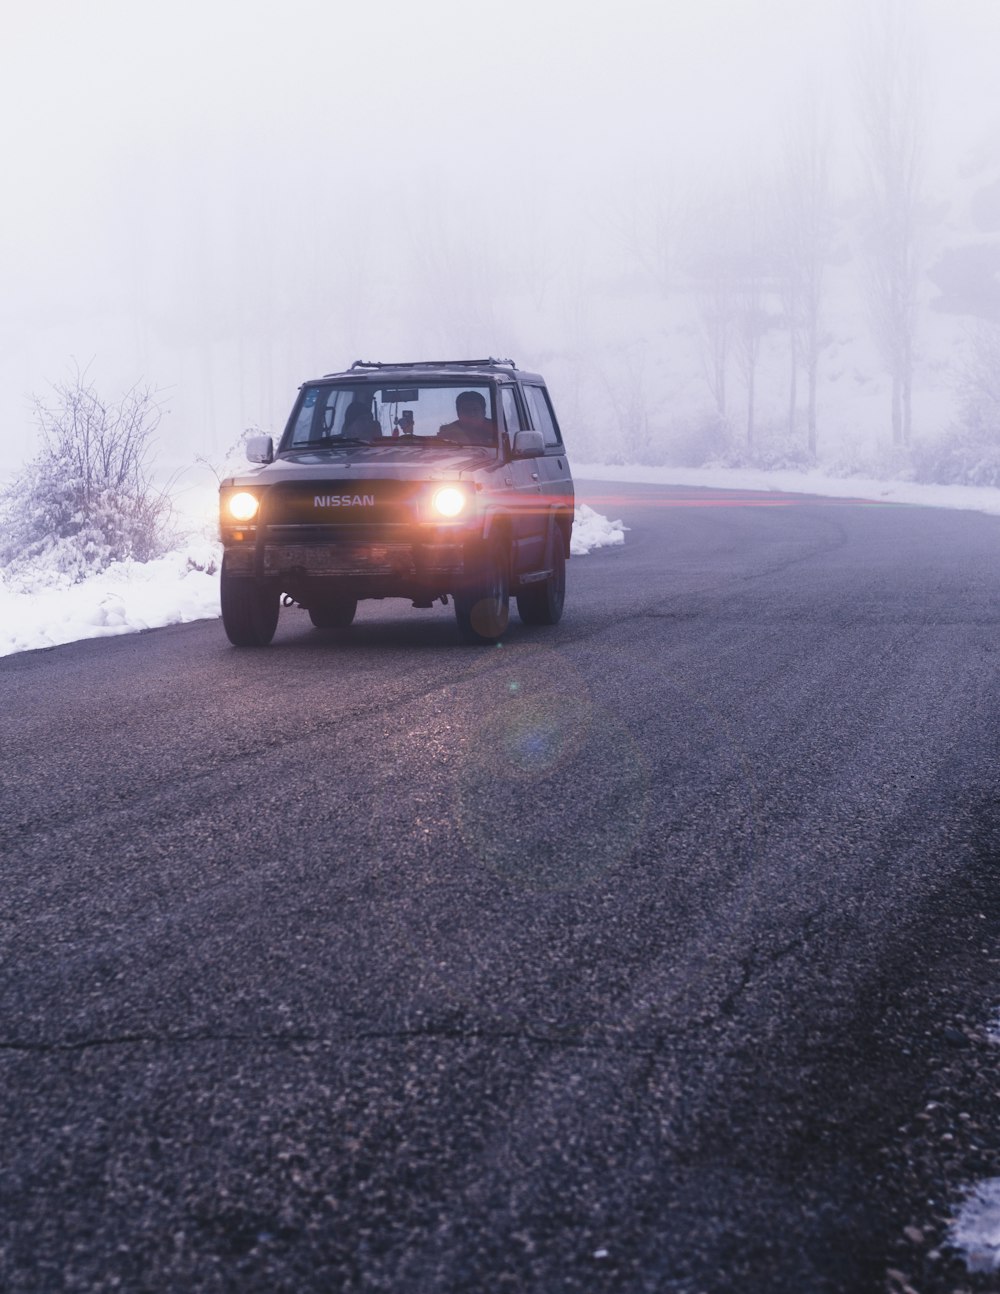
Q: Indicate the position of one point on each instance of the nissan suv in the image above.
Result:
(424, 481)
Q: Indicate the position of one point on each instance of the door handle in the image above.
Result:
(534, 476)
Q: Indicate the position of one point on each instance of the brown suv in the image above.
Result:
(413, 481)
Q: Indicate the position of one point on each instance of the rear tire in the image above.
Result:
(482, 609)
(542, 604)
(334, 613)
(249, 609)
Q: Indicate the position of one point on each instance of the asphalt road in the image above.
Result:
(625, 956)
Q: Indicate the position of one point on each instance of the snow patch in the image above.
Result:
(126, 598)
(592, 530)
(976, 1232)
(975, 498)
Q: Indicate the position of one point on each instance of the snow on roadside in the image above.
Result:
(127, 597)
(976, 498)
(182, 586)
(976, 1231)
(592, 530)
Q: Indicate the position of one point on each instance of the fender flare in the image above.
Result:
(496, 522)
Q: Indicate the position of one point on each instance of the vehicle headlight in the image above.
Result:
(450, 501)
(243, 506)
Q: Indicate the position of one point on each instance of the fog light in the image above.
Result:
(243, 507)
(450, 502)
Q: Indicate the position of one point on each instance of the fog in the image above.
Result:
(222, 200)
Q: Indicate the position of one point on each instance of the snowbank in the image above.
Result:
(125, 598)
(970, 497)
(976, 1232)
(182, 586)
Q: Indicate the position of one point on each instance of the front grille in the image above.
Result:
(341, 503)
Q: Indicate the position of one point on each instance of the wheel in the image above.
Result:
(482, 609)
(333, 613)
(542, 604)
(249, 609)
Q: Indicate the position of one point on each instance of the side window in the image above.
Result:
(511, 415)
(541, 414)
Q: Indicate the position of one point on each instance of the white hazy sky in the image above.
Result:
(138, 137)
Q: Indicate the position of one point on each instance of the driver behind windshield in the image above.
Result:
(471, 427)
(359, 423)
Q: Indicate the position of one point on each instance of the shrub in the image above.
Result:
(697, 441)
(970, 454)
(966, 459)
(773, 450)
(86, 500)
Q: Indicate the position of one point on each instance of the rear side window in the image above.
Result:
(541, 413)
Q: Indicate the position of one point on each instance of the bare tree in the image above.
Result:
(453, 261)
(630, 401)
(806, 232)
(651, 227)
(713, 271)
(87, 499)
(105, 445)
(717, 310)
(753, 275)
(717, 321)
(890, 110)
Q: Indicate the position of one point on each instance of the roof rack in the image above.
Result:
(439, 363)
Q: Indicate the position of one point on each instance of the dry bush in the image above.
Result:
(87, 499)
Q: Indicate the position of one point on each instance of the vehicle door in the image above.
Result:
(522, 476)
(553, 467)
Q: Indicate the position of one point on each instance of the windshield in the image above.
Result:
(435, 413)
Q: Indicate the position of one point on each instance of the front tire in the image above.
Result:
(334, 613)
(249, 609)
(542, 604)
(482, 609)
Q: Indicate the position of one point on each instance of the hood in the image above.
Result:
(389, 461)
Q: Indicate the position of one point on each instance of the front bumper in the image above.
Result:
(348, 559)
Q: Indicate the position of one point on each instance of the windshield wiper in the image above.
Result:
(447, 440)
(329, 442)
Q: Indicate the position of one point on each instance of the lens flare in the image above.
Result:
(535, 731)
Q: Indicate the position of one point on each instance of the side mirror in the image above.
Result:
(260, 449)
(527, 444)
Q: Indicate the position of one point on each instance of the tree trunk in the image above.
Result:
(907, 408)
(720, 382)
(793, 383)
(908, 393)
(812, 405)
(897, 410)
